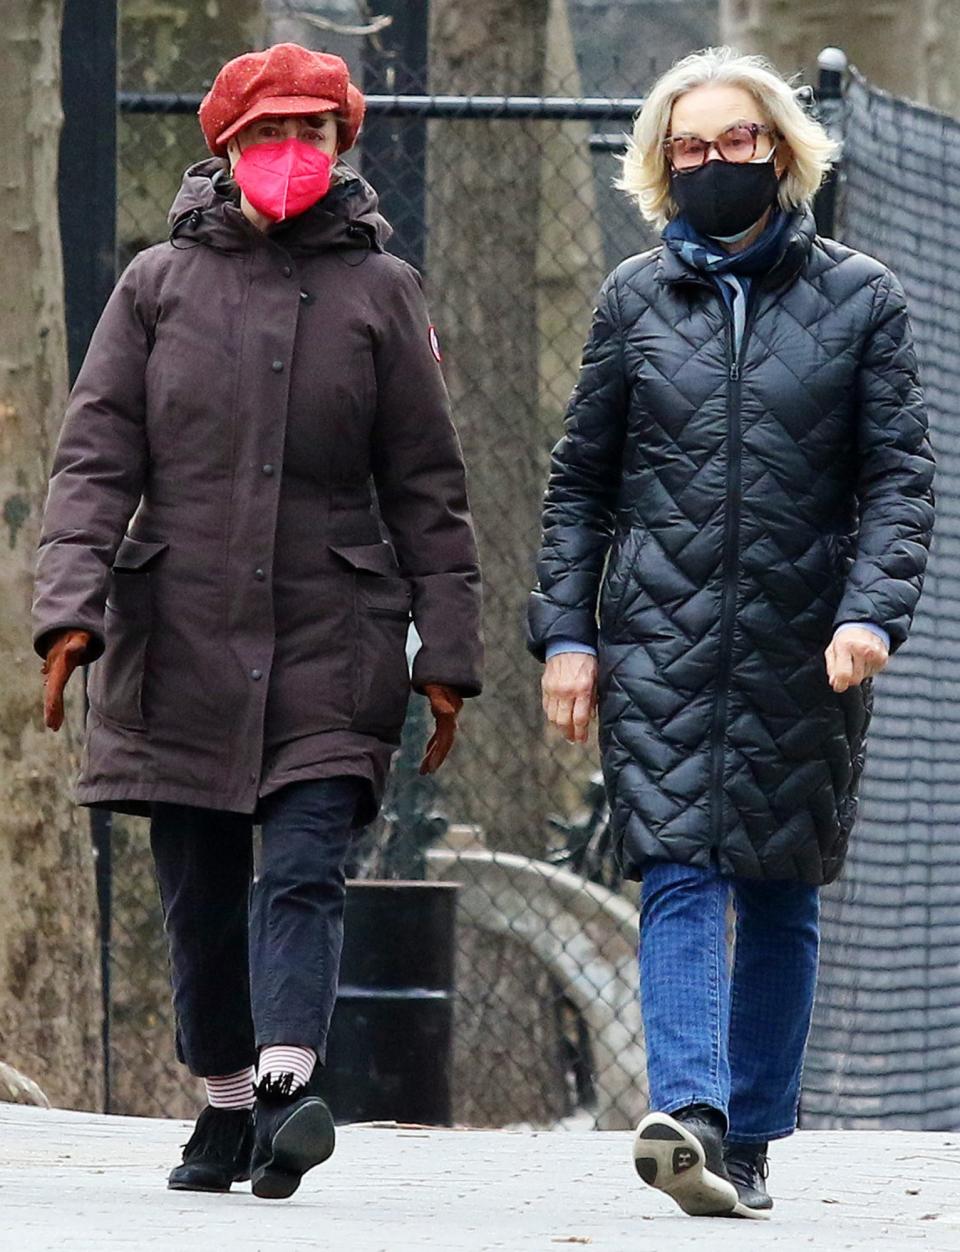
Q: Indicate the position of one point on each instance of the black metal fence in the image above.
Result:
(546, 1023)
(507, 205)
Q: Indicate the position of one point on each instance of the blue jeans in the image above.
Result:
(735, 1042)
(254, 962)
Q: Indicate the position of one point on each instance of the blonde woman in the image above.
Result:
(735, 533)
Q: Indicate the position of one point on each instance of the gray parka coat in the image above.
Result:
(711, 517)
(211, 522)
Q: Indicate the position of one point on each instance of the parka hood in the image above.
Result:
(205, 211)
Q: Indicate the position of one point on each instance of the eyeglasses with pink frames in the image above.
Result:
(736, 145)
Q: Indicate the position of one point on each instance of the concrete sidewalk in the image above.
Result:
(79, 1181)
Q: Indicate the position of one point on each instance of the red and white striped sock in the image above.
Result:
(282, 1058)
(231, 1091)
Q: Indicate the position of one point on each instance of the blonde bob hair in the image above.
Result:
(809, 149)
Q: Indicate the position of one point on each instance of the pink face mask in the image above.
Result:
(283, 179)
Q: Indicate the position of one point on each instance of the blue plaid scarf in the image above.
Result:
(730, 271)
(702, 253)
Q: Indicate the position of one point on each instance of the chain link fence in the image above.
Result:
(508, 208)
(510, 212)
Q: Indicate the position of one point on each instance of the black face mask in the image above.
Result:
(721, 199)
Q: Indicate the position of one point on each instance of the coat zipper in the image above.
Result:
(731, 551)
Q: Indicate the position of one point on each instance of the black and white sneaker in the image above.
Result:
(682, 1155)
(748, 1169)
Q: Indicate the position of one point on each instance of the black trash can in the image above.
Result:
(390, 1049)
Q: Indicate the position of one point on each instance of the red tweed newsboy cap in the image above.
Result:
(284, 81)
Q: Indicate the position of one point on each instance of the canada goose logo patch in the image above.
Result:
(434, 343)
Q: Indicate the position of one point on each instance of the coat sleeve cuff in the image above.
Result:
(568, 645)
(882, 635)
(463, 674)
(548, 622)
(45, 636)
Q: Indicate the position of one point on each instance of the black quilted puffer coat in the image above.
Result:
(710, 518)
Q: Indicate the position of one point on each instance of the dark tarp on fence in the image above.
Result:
(885, 1048)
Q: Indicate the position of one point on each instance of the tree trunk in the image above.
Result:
(50, 1012)
(170, 45)
(512, 270)
(569, 244)
(912, 50)
(147, 1080)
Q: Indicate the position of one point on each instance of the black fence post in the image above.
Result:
(88, 213)
(832, 65)
(88, 166)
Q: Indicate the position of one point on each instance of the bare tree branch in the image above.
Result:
(373, 27)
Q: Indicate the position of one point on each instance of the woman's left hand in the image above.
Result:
(852, 656)
(445, 704)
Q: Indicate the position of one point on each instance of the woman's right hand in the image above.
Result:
(569, 687)
(63, 656)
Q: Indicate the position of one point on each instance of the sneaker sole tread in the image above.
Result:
(661, 1144)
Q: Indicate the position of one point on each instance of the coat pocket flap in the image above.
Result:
(136, 553)
(371, 558)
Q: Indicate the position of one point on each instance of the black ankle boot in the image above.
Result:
(682, 1155)
(293, 1132)
(217, 1153)
(748, 1169)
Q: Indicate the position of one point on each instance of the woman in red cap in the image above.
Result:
(257, 486)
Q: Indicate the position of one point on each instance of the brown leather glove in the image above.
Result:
(63, 656)
(445, 704)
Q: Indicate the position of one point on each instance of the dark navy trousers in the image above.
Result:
(254, 962)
